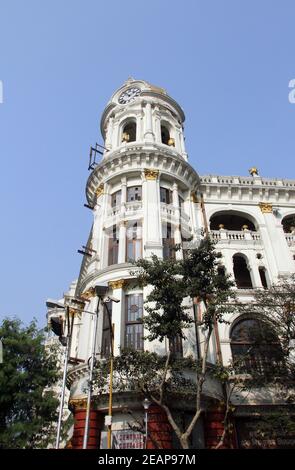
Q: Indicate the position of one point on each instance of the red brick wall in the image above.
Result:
(159, 429)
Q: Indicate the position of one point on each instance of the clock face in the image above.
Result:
(129, 95)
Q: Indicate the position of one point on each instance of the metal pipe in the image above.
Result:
(111, 387)
(86, 430)
(62, 399)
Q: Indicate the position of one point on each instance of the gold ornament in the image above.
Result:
(151, 174)
(253, 171)
(88, 294)
(99, 190)
(265, 207)
(118, 284)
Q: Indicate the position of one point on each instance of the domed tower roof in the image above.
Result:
(133, 89)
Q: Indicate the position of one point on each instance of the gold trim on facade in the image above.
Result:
(194, 197)
(99, 190)
(118, 284)
(78, 403)
(151, 174)
(253, 171)
(265, 207)
(88, 294)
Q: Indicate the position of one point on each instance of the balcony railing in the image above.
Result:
(235, 236)
(169, 211)
(131, 207)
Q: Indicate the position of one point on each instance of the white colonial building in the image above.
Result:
(146, 198)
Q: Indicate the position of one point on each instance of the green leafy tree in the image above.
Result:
(28, 404)
(168, 315)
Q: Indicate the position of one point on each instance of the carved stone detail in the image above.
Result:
(118, 284)
(151, 174)
(265, 207)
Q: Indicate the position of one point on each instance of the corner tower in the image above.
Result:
(142, 193)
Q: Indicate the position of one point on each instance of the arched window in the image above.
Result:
(241, 272)
(289, 224)
(254, 346)
(165, 135)
(229, 221)
(129, 132)
(262, 273)
(134, 241)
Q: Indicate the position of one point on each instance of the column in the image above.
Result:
(118, 317)
(96, 423)
(149, 135)
(184, 154)
(152, 230)
(177, 228)
(157, 117)
(138, 127)
(123, 195)
(105, 206)
(276, 248)
(109, 133)
(253, 268)
(122, 242)
(115, 135)
(228, 262)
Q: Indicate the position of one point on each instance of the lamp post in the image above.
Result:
(100, 292)
(112, 333)
(146, 404)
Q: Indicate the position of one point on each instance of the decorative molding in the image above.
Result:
(265, 207)
(118, 284)
(151, 174)
(78, 403)
(88, 294)
(99, 190)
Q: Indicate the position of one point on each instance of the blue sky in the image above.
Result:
(227, 62)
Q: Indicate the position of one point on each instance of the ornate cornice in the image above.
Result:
(88, 294)
(118, 284)
(265, 207)
(136, 158)
(151, 174)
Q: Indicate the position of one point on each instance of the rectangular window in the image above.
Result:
(168, 242)
(134, 325)
(165, 196)
(116, 199)
(113, 247)
(134, 242)
(106, 330)
(134, 193)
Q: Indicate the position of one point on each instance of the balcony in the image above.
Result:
(169, 212)
(132, 209)
(236, 237)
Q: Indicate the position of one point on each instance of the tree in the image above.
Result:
(195, 277)
(266, 362)
(28, 407)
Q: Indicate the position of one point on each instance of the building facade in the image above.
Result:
(145, 199)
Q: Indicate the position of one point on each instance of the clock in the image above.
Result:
(129, 95)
